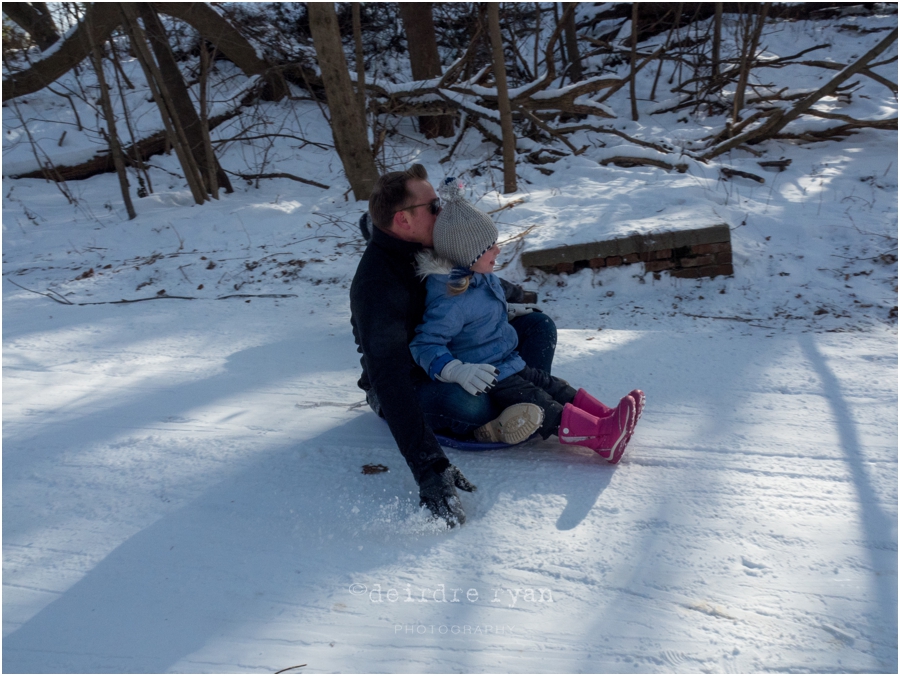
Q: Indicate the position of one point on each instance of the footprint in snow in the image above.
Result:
(753, 568)
(674, 657)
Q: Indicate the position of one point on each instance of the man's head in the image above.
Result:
(405, 205)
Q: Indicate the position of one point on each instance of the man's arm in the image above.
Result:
(379, 318)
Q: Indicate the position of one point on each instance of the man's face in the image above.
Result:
(418, 214)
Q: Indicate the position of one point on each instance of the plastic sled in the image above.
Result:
(472, 445)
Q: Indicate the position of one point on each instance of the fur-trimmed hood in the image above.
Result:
(429, 263)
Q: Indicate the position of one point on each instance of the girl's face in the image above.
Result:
(488, 259)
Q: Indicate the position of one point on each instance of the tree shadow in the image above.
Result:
(878, 527)
(262, 539)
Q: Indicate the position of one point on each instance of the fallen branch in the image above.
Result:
(781, 165)
(889, 123)
(279, 174)
(57, 298)
(508, 205)
(731, 173)
(865, 71)
(614, 132)
(781, 119)
(258, 295)
(628, 162)
(63, 301)
(102, 163)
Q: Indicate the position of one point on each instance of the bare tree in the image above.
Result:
(506, 126)
(157, 83)
(633, 57)
(360, 57)
(181, 99)
(418, 24)
(347, 123)
(576, 71)
(112, 135)
(717, 41)
(751, 34)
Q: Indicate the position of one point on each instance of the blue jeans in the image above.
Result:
(449, 408)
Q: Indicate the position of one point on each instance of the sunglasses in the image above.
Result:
(434, 206)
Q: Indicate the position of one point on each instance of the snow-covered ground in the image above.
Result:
(182, 477)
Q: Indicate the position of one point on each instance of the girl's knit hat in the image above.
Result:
(462, 233)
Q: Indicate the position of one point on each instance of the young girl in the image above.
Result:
(465, 337)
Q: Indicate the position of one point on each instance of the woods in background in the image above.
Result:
(505, 71)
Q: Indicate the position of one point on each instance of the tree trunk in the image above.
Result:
(576, 72)
(418, 24)
(204, 119)
(748, 56)
(155, 81)
(509, 139)
(634, 40)
(717, 41)
(347, 124)
(115, 149)
(34, 18)
(360, 57)
(181, 101)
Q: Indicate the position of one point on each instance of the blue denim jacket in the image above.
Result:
(471, 326)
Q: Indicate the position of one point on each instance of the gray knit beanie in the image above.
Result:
(462, 233)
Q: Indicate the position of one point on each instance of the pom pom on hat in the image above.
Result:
(452, 188)
(462, 233)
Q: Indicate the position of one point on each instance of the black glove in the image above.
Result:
(438, 492)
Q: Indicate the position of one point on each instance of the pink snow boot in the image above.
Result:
(591, 404)
(607, 436)
(594, 406)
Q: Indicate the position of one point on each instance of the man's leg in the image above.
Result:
(537, 339)
(449, 408)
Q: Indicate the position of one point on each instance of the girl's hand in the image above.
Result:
(514, 310)
(473, 378)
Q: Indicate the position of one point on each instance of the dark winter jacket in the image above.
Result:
(387, 302)
(470, 326)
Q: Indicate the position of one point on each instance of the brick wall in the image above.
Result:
(703, 252)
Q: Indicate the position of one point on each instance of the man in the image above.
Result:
(387, 302)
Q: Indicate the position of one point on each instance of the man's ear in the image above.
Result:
(401, 222)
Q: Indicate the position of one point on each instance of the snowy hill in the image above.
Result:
(183, 485)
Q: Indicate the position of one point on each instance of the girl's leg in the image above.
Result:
(537, 339)
(557, 388)
(516, 389)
